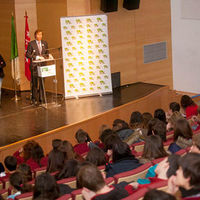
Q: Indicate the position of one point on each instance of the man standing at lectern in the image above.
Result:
(36, 50)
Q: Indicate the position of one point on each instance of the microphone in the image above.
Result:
(33, 53)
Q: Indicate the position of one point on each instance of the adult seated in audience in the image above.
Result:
(188, 105)
(70, 169)
(37, 158)
(25, 152)
(173, 107)
(56, 157)
(96, 156)
(172, 120)
(160, 114)
(19, 184)
(157, 127)
(187, 178)
(195, 144)
(158, 195)
(46, 187)
(122, 158)
(153, 149)
(146, 118)
(122, 129)
(182, 136)
(94, 186)
(10, 163)
(69, 152)
(83, 140)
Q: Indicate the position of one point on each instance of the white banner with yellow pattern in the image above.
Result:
(86, 60)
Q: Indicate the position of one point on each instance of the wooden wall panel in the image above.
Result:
(128, 32)
(153, 24)
(20, 7)
(7, 7)
(48, 17)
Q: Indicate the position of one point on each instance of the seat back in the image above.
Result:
(101, 168)
(71, 182)
(110, 181)
(158, 160)
(77, 194)
(181, 152)
(1, 185)
(6, 183)
(65, 197)
(25, 196)
(160, 185)
(133, 175)
(170, 135)
(4, 193)
(138, 147)
(139, 194)
(39, 171)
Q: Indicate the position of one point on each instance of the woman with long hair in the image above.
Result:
(153, 149)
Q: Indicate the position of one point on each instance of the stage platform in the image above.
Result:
(19, 121)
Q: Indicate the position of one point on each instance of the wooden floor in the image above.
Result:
(20, 120)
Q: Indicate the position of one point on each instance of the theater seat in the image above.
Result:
(4, 193)
(6, 183)
(25, 196)
(39, 171)
(137, 195)
(71, 182)
(160, 185)
(133, 175)
(181, 152)
(170, 135)
(138, 147)
(101, 168)
(167, 143)
(65, 197)
(158, 160)
(110, 181)
(1, 185)
(77, 195)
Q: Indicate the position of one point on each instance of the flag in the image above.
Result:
(27, 40)
(14, 53)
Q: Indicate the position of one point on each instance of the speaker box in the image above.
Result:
(116, 80)
(131, 4)
(109, 5)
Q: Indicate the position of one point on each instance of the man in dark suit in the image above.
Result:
(36, 50)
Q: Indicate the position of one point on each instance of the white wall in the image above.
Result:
(185, 50)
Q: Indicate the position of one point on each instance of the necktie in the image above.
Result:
(40, 47)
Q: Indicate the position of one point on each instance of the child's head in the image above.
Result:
(56, 144)
(91, 178)
(188, 173)
(160, 114)
(174, 107)
(82, 136)
(10, 163)
(136, 120)
(153, 148)
(96, 156)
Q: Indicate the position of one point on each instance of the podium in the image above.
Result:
(46, 69)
